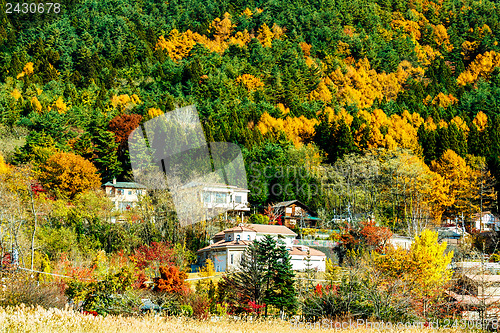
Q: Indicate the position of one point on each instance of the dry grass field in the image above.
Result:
(26, 319)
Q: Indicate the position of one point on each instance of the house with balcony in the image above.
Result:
(228, 246)
(294, 213)
(124, 195)
(212, 199)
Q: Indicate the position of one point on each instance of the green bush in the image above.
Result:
(186, 310)
(258, 219)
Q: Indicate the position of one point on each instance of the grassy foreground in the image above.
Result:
(28, 319)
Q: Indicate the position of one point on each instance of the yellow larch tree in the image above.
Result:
(441, 37)
(481, 121)
(154, 112)
(296, 129)
(125, 102)
(4, 168)
(461, 124)
(443, 100)
(265, 35)
(27, 70)
(457, 173)
(482, 66)
(59, 106)
(247, 12)
(362, 85)
(250, 82)
(321, 93)
(178, 45)
(35, 103)
(16, 94)
(400, 131)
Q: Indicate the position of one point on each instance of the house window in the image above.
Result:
(238, 237)
(220, 197)
(237, 199)
(248, 237)
(232, 259)
(139, 192)
(229, 237)
(288, 210)
(206, 197)
(129, 192)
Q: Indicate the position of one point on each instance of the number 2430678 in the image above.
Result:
(32, 7)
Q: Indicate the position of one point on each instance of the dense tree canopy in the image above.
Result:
(316, 80)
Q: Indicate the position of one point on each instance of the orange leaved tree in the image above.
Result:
(171, 280)
(68, 174)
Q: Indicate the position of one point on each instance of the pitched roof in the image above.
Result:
(224, 243)
(296, 251)
(125, 185)
(483, 277)
(271, 229)
(237, 228)
(291, 202)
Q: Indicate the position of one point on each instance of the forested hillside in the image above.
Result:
(295, 83)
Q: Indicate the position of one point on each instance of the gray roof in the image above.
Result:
(285, 203)
(125, 185)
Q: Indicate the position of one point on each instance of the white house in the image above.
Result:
(227, 197)
(488, 220)
(229, 245)
(304, 257)
(202, 200)
(124, 195)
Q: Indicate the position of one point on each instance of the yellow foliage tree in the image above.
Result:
(68, 174)
(441, 37)
(27, 70)
(426, 54)
(458, 175)
(250, 82)
(424, 267)
(178, 44)
(410, 27)
(400, 131)
(207, 270)
(154, 112)
(16, 94)
(35, 103)
(4, 168)
(265, 35)
(296, 129)
(321, 93)
(247, 12)
(443, 100)
(60, 106)
(461, 124)
(482, 66)
(481, 121)
(125, 102)
(362, 85)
